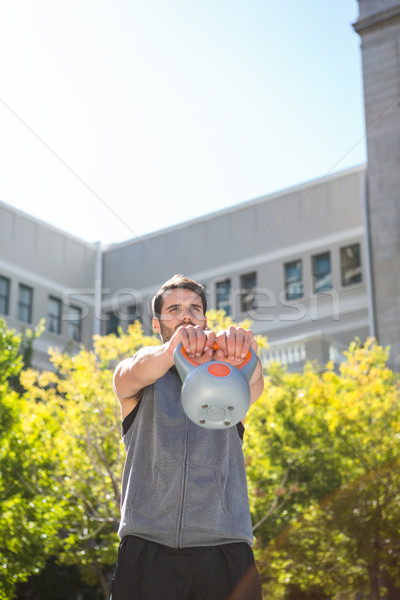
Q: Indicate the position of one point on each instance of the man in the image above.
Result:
(185, 521)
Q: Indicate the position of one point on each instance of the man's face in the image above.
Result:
(179, 307)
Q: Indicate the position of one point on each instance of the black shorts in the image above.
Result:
(149, 571)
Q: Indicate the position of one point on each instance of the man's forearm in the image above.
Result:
(144, 368)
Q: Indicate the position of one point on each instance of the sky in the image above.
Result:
(121, 117)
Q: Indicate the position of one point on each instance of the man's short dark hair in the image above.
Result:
(177, 282)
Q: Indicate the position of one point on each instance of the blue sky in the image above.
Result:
(120, 117)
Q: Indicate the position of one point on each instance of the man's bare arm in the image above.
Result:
(256, 383)
(234, 344)
(149, 364)
(144, 368)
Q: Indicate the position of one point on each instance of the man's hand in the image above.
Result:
(197, 342)
(234, 344)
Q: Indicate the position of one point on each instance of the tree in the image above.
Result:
(335, 437)
(322, 453)
(30, 515)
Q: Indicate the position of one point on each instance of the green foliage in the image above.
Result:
(10, 360)
(330, 441)
(29, 514)
(322, 451)
(28, 336)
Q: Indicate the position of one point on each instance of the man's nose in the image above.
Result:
(186, 315)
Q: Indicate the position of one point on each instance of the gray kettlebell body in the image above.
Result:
(215, 395)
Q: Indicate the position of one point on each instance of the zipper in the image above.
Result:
(184, 485)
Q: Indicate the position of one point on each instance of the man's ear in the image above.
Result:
(156, 325)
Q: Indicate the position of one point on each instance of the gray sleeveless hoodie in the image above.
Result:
(182, 485)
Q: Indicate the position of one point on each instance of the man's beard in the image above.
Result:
(166, 332)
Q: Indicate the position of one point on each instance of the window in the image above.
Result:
(223, 296)
(112, 323)
(4, 295)
(248, 285)
(350, 261)
(74, 323)
(25, 302)
(294, 280)
(322, 272)
(54, 315)
(134, 314)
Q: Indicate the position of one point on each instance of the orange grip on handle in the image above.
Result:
(245, 360)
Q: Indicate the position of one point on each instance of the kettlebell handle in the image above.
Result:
(244, 362)
(240, 366)
(185, 364)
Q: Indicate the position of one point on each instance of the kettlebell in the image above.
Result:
(215, 395)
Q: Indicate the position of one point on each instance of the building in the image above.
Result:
(292, 262)
(46, 273)
(313, 266)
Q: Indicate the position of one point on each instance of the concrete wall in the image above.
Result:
(379, 28)
(52, 263)
(261, 235)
